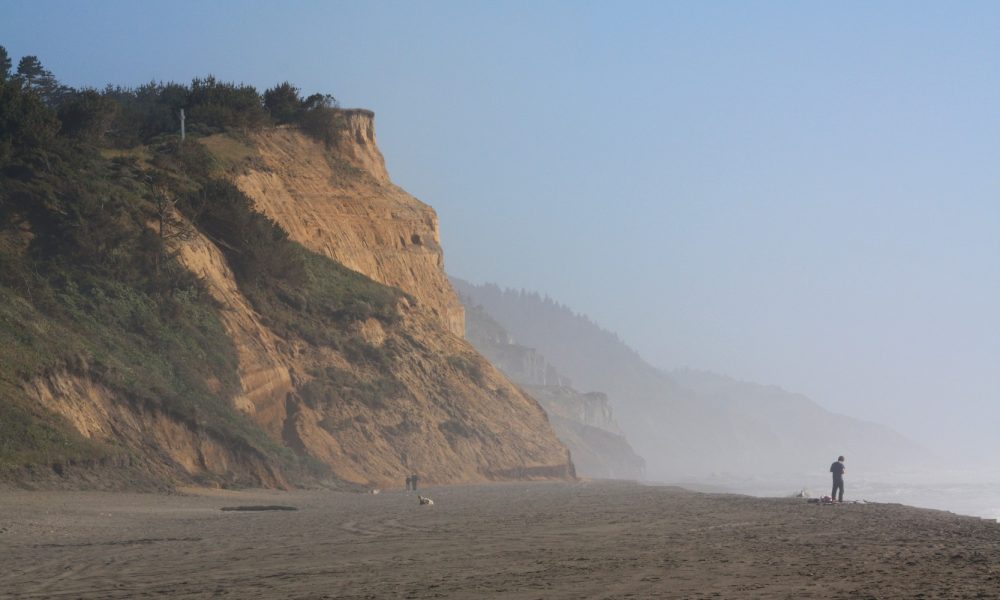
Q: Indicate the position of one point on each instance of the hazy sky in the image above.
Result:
(805, 194)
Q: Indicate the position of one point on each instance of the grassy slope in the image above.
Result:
(87, 287)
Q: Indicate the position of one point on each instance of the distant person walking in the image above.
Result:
(409, 481)
(838, 469)
(415, 479)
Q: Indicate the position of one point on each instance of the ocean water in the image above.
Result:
(974, 494)
(977, 499)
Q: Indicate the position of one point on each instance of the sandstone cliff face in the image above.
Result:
(432, 406)
(265, 369)
(339, 201)
(168, 449)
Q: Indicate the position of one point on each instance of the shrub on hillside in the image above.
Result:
(26, 123)
(222, 105)
(283, 102)
(323, 124)
(87, 115)
(146, 111)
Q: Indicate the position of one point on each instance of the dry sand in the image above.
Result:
(582, 540)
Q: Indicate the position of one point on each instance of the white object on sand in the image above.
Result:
(425, 501)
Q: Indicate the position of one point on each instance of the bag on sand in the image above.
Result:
(823, 500)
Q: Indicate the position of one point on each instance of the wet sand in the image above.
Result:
(580, 540)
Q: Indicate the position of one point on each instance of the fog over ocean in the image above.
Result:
(966, 492)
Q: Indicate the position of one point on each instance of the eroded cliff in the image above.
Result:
(242, 309)
(158, 449)
(400, 395)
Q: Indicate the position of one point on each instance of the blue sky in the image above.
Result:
(795, 193)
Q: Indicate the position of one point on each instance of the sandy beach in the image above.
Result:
(540, 540)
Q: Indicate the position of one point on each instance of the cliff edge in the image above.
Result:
(337, 200)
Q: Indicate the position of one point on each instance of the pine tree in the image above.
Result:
(40, 80)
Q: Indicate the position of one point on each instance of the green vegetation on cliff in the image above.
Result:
(94, 187)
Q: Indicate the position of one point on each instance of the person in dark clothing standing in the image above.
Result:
(838, 469)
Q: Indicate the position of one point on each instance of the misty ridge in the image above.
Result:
(583, 421)
(687, 423)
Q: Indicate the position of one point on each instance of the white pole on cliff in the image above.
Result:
(182, 125)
